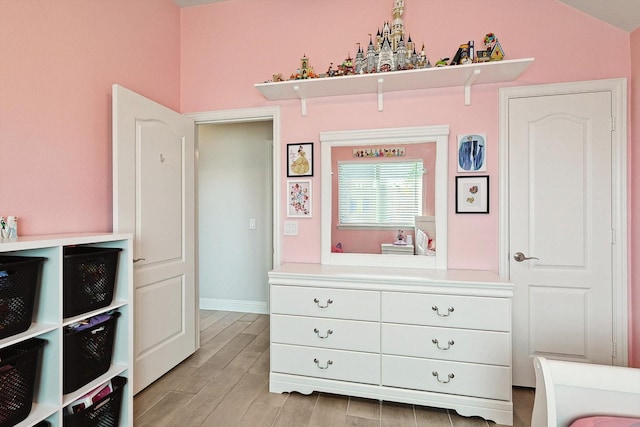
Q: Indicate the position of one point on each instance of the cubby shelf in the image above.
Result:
(428, 78)
(48, 322)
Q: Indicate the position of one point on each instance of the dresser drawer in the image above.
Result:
(327, 333)
(462, 345)
(491, 382)
(323, 363)
(452, 311)
(324, 302)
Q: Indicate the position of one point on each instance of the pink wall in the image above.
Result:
(229, 46)
(58, 60)
(634, 202)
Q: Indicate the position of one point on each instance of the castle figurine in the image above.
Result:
(391, 50)
(305, 71)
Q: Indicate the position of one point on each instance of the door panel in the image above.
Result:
(161, 185)
(560, 191)
(153, 198)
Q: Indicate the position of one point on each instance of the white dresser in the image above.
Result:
(439, 338)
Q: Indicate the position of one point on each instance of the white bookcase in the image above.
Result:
(48, 322)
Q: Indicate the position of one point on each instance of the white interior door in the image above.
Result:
(560, 212)
(153, 198)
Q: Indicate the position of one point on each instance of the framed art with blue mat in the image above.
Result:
(472, 153)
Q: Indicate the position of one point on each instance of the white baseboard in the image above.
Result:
(257, 307)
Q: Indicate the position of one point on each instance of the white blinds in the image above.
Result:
(379, 193)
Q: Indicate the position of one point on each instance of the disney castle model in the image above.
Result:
(390, 52)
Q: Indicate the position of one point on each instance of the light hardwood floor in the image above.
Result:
(225, 383)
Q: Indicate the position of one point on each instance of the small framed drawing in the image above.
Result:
(300, 159)
(472, 153)
(300, 197)
(472, 194)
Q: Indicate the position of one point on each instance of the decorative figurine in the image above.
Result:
(392, 49)
(400, 238)
(4, 229)
(305, 71)
(493, 48)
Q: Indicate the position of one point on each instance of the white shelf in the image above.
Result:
(428, 78)
(48, 322)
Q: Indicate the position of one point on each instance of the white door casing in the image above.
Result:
(562, 200)
(154, 198)
(253, 115)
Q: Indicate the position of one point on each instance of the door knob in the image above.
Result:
(519, 256)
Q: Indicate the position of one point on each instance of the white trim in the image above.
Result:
(407, 135)
(618, 89)
(258, 307)
(255, 115)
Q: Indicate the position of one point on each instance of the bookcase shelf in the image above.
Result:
(48, 322)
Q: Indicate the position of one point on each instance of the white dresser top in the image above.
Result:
(400, 279)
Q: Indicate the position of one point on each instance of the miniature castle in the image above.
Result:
(390, 51)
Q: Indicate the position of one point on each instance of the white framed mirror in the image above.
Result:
(431, 219)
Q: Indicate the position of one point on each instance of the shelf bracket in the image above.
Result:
(380, 97)
(467, 86)
(303, 100)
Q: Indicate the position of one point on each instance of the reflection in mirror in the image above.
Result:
(384, 194)
(377, 193)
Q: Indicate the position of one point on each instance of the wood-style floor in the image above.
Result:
(225, 383)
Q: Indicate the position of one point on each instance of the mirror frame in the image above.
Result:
(393, 136)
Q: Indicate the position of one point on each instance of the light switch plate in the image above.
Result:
(291, 228)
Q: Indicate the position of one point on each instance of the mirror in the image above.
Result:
(429, 144)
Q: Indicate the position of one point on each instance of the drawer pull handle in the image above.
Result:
(317, 362)
(329, 332)
(317, 301)
(450, 342)
(449, 377)
(449, 311)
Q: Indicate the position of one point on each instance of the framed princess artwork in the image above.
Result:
(300, 159)
(299, 198)
(472, 194)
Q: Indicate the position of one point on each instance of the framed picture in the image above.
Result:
(300, 159)
(472, 194)
(299, 198)
(472, 153)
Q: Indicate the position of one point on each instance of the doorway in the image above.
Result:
(563, 221)
(235, 206)
(238, 224)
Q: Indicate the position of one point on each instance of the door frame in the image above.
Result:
(618, 89)
(245, 115)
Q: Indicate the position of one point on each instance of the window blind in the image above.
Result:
(380, 194)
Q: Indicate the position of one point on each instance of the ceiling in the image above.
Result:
(624, 14)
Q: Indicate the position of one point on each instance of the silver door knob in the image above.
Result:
(519, 256)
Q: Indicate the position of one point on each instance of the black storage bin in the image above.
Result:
(19, 282)
(89, 278)
(19, 368)
(104, 413)
(87, 353)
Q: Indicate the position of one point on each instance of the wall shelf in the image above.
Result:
(429, 78)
